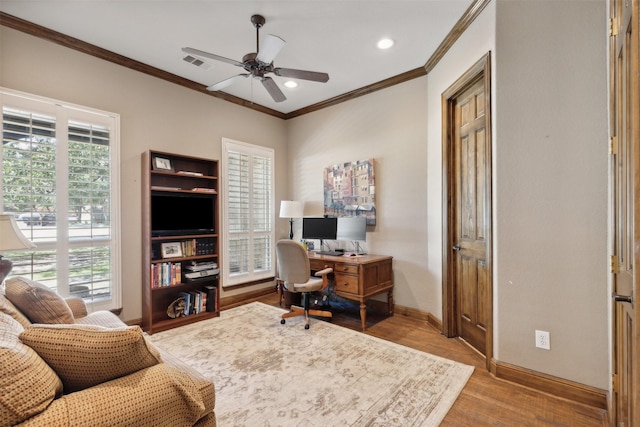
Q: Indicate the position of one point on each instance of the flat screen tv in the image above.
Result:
(319, 228)
(177, 214)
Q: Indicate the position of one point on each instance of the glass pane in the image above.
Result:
(28, 172)
(89, 181)
(262, 253)
(89, 272)
(238, 255)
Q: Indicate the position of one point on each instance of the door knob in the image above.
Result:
(456, 248)
(623, 298)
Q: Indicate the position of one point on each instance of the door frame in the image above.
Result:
(480, 70)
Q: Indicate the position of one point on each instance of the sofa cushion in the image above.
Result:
(86, 355)
(157, 396)
(36, 301)
(7, 307)
(27, 384)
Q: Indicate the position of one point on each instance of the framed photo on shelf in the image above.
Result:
(162, 164)
(171, 250)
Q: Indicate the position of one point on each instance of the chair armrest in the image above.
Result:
(323, 272)
(77, 306)
(147, 397)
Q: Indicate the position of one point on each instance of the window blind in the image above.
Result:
(59, 175)
(248, 217)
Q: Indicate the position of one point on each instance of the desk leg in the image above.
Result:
(363, 315)
(390, 301)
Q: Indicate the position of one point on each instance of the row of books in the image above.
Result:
(195, 302)
(194, 247)
(166, 274)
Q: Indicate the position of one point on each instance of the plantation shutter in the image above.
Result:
(59, 180)
(248, 219)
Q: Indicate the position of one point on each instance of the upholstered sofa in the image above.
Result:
(62, 366)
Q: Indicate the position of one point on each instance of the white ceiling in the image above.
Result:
(337, 37)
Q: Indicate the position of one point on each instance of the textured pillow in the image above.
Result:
(7, 307)
(36, 301)
(86, 355)
(27, 384)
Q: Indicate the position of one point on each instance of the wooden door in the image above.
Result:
(470, 244)
(625, 148)
(468, 287)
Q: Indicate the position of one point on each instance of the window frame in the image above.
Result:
(66, 113)
(229, 280)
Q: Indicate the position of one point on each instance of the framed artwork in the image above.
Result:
(171, 250)
(350, 190)
(162, 163)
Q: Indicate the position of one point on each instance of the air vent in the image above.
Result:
(196, 61)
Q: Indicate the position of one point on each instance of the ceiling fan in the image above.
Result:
(258, 64)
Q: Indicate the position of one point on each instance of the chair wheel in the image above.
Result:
(282, 322)
(306, 326)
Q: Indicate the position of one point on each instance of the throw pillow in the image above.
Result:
(27, 384)
(38, 302)
(86, 355)
(7, 307)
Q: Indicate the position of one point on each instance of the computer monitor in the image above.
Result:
(352, 228)
(319, 228)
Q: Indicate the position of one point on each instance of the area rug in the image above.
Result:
(268, 374)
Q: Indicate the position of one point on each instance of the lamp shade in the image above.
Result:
(291, 209)
(11, 238)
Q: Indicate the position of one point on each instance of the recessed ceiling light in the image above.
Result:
(385, 43)
(291, 84)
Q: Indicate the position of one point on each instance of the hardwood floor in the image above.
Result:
(485, 400)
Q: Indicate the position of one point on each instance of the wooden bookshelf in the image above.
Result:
(178, 193)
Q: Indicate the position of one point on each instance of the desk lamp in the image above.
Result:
(291, 209)
(11, 238)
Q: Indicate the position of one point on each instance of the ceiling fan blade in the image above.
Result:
(204, 54)
(227, 82)
(302, 74)
(273, 89)
(271, 46)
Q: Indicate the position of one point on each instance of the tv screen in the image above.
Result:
(175, 214)
(319, 228)
(352, 228)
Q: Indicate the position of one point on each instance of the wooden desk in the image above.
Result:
(358, 278)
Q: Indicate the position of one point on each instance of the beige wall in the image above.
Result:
(551, 186)
(550, 179)
(154, 114)
(389, 126)
(550, 166)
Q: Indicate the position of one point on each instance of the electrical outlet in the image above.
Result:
(542, 340)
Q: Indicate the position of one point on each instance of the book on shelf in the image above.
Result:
(196, 247)
(166, 274)
(187, 302)
(195, 302)
(190, 173)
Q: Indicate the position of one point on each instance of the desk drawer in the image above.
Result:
(346, 268)
(346, 283)
(319, 264)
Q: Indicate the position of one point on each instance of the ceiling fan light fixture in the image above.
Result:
(291, 84)
(385, 43)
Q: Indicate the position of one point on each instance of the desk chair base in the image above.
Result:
(300, 311)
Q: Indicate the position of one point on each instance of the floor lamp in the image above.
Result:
(11, 238)
(291, 209)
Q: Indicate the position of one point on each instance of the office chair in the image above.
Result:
(293, 266)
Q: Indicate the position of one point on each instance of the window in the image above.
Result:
(248, 228)
(60, 181)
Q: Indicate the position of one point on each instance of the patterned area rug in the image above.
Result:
(268, 374)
